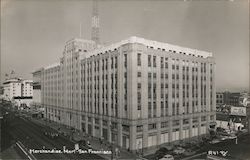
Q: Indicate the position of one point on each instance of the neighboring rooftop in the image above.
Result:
(52, 65)
(15, 80)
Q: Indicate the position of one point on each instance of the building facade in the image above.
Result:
(231, 98)
(136, 93)
(1, 91)
(18, 91)
(37, 99)
(219, 98)
(16, 87)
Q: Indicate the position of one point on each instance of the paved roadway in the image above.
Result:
(240, 151)
(31, 136)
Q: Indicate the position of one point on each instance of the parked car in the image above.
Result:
(50, 133)
(214, 141)
(161, 152)
(179, 150)
(82, 142)
(167, 157)
(189, 152)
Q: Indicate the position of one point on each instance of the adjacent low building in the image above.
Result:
(136, 93)
(232, 119)
(18, 91)
(231, 98)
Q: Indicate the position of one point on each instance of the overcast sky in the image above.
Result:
(33, 32)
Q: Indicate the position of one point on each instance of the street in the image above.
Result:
(228, 149)
(31, 136)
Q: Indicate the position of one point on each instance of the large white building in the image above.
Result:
(18, 90)
(16, 87)
(135, 93)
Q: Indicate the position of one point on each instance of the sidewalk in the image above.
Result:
(95, 143)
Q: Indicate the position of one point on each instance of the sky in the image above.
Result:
(34, 32)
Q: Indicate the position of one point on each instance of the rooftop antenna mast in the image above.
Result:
(95, 23)
(80, 34)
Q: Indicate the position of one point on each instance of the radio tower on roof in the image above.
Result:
(95, 23)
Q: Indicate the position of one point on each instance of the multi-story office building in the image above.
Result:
(18, 90)
(16, 87)
(12, 88)
(135, 93)
(230, 98)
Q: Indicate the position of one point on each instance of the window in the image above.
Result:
(203, 118)
(149, 61)
(139, 86)
(139, 128)
(115, 62)
(152, 126)
(139, 107)
(149, 75)
(162, 85)
(97, 121)
(125, 60)
(89, 119)
(112, 62)
(166, 75)
(154, 61)
(138, 74)
(195, 120)
(162, 75)
(113, 125)
(166, 65)
(139, 59)
(164, 124)
(166, 85)
(125, 128)
(154, 75)
(176, 122)
(162, 64)
(185, 121)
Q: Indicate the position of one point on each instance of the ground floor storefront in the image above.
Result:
(134, 135)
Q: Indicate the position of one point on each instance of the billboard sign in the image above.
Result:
(238, 111)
